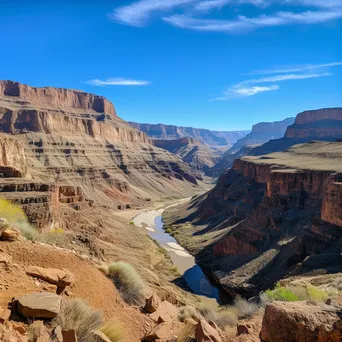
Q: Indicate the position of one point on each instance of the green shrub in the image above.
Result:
(281, 293)
(316, 294)
(128, 282)
(77, 315)
(16, 218)
(112, 331)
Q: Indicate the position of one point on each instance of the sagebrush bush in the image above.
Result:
(128, 282)
(16, 218)
(77, 315)
(282, 293)
(112, 331)
(224, 316)
(188, 311)
(33, 331)
(244, 309)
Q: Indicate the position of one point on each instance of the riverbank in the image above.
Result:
(186, 265)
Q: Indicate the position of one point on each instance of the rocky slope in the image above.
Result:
(205, 136)
(191, 151)
(64, 150)
(270, 217)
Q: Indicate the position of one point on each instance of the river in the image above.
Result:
(185, 262)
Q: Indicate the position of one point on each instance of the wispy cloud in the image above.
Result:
(218, 4)
(239, 91)
(248, 88)
(138, 12)
(299, 68)
(243, 24)
(117, 82)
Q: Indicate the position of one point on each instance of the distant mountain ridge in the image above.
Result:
(205, 136)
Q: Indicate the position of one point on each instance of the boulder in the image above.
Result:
(164, 331)
(39, 305)
(9, 234)
(61, 278)
(100, 336)
(165, 312)
(152, 303)
(301, 322)
(205, 332)
(4, 315)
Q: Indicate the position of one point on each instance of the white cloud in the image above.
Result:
(299, 68)
(138, 12)
(117, 81)
(287, 77)
(241, 92)
(248, 88)
(243, 24)
(218, 4)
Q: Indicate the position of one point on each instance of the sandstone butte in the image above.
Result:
(64, 148)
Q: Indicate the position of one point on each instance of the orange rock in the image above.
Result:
(165, 312)
(9, 234)
(205, 332)
(51, 275)
(152, 303)
(20, 327)
(301, 322)
(4, 315)
(69, 336)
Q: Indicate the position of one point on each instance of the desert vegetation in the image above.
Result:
(127, 280)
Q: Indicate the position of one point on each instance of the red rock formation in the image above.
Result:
(284, 209)
(57, 97)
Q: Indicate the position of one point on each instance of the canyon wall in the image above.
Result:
(274, 216)
(65, 152)
(205, 136)
(57, 97)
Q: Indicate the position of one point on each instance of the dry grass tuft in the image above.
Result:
(244, 309)
(112, 331)
(33, 331)
(128, 282)
(188, 311)
(187, 333)
(223, 317)
(77, 315)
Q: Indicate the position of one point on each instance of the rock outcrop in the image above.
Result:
(321, 124)
(65, 151)
(301, 322)
(199, 156)
(205, 136)
(261, 133)
(273, 216)
(39, 305)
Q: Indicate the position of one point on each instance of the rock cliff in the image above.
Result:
(66, 150)
(272, 216)
(199, 156)
(205, 136)
(260, 134)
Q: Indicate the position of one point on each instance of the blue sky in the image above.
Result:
(217, 64)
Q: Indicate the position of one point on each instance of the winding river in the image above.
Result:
(185, 262)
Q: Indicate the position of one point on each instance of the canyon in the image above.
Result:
(205, 136)
(66, 150)
(275, 213)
